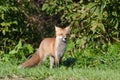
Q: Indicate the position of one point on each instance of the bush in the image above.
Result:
(95, 28)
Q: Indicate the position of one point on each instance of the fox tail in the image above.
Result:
(34, 60)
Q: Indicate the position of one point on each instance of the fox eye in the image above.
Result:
(67, 34)
(61, 34)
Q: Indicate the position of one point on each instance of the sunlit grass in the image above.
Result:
(10, 71)
(93, 67)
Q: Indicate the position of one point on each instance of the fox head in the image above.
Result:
(62, 33)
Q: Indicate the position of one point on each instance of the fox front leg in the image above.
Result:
(52, 60)
(57, 62)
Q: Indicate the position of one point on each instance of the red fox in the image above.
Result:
(54, 47)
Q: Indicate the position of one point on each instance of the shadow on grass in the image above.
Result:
(69, 62)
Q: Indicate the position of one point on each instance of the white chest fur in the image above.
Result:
(61, 46)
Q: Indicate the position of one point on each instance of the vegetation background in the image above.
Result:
(93, 51)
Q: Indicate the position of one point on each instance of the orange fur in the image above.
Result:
(54, 47)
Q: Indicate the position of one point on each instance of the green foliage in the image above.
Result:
(95, 35)
(16, 23)
(95, 26)
(96, 19)
(95, 57)
(18, 53)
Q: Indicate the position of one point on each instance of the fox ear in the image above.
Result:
(57, 28)
(68, 28)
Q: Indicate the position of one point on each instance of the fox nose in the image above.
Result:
(65, 39)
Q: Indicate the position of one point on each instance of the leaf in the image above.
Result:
(73, 16)
(29, 47)
(14, 22)
(94, 26)
(101, 26)
(2, 16)
(70, 45)
(3, 32)
(83, 15)
(44, 7)
(13, 51)
(117, 24)
(19, 45)
(3, 24)
(90, 5)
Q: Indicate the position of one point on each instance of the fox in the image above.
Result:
(54, 47)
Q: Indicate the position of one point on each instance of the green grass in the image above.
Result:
(88, 64)
(10, 71)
